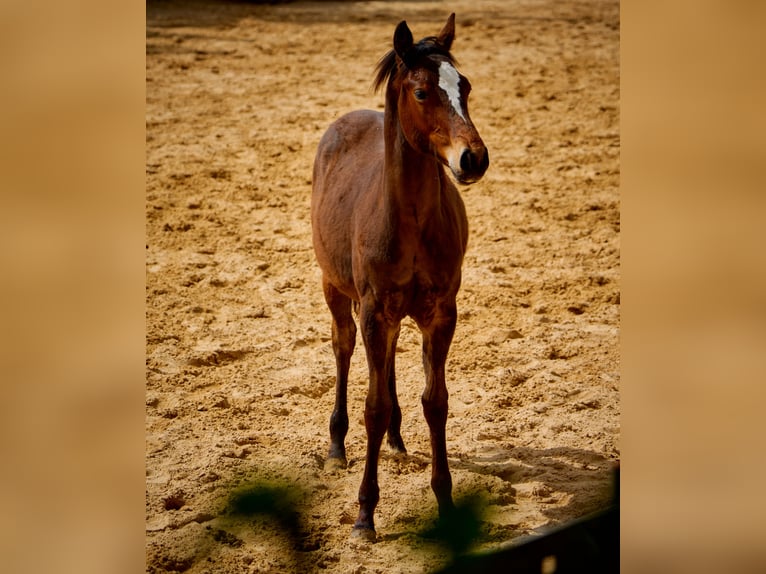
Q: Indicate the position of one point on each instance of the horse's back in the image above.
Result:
(353, 143)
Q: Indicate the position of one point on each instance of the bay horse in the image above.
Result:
(389, 230)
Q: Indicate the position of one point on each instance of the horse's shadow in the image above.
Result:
(584, 479)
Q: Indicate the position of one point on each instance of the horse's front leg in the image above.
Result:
(378, 333)
(437, 337)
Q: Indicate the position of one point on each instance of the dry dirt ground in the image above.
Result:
(240, 371)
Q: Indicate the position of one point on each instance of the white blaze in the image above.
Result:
(449, 81)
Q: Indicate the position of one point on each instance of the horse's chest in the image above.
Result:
(422, 278)
(421, 263)
(409, 269)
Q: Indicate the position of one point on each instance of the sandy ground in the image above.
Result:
(240, 372)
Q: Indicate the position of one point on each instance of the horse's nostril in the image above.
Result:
(472, 163)
(467, 161)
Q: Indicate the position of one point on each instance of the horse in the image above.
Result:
(389, 231)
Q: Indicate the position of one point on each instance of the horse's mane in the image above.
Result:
(417, 55)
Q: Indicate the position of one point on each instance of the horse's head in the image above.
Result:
(432, 101)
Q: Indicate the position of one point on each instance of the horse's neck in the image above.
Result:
(413, 181)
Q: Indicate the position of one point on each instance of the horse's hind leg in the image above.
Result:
(394, 427)
(343, 341)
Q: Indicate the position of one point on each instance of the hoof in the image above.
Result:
(333, 465)
(364, 535)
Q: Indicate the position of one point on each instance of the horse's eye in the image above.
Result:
(420, 95)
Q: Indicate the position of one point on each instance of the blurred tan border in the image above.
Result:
(72, 286)
(693, 330)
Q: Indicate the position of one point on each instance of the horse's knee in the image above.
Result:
(344, 338)
(378, 413)
(377, 417)
(343, 349)
(435, 409)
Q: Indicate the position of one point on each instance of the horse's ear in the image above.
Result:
(447, 34)
(402, 39)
